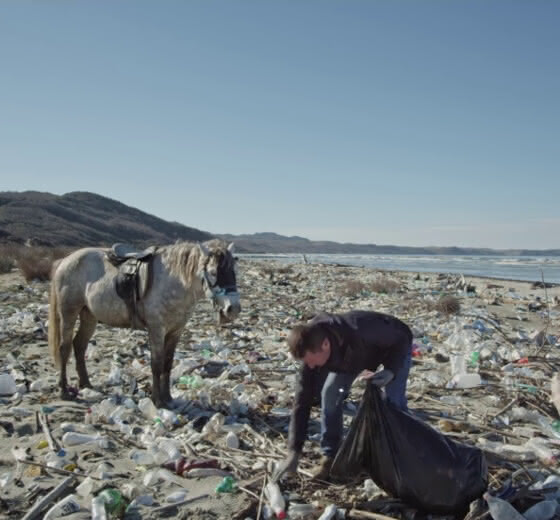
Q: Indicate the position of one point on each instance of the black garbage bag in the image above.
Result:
(409, 459)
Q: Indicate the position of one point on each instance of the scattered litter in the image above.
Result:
(486, 373)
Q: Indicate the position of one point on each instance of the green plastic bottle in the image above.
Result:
(475, 356)
(226, 486)
(115, 504)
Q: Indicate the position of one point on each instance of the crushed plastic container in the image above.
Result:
(66, 506)
(502, 510)
(544, 510)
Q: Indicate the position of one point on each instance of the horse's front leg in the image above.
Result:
(156, 336)
(171, 340)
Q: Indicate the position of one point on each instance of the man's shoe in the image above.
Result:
(322, 470)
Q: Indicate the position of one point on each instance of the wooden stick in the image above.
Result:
(53, 445)
(36, 510)
(261, 498)
(57, 470)
(504, 409)
(357, 513)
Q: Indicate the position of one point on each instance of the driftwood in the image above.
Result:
(37, 509)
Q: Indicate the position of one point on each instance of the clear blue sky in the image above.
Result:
(393, 122)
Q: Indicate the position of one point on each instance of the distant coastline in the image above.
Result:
(495, 267)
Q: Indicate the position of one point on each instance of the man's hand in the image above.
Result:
(378, 378)
(288, 465)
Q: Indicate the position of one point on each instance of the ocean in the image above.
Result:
(527, 268)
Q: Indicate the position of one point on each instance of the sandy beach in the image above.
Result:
(243, 372)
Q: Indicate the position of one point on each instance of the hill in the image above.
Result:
(83, 219)
(80, 219)
(274, 243)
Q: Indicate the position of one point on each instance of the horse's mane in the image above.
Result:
(182, 258)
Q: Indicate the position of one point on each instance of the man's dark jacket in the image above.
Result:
(360, 340)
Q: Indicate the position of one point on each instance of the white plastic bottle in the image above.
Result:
(141, 457)
(148, 408)
(171, 450)
(301, 510)
(98, 511)
(542, 451)
(329, 513)
(75, 438)
(555, 391)
(502, 510)
(275, 500)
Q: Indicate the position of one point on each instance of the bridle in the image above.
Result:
(214, 291)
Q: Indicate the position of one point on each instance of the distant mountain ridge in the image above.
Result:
(274, 243)
(79, 219)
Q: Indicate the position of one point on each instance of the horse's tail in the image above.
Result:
(54, 321)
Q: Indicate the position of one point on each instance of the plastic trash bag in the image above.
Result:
(409, 459)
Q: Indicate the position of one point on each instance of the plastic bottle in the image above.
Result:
(232, 441)
(170, 449)
(555, 391)
(177, 496)
(65, 507)
(370, 488)
(275, 500)
(542, 451)
(301, 510)
(114, 501)
(148, 408)
(227, 485)
(141, 457)
(75, 438)
(502, 510)
(329, 512)
(544, 510)
(466, 380)
(98, 511)
(85, 488)
(7, 384)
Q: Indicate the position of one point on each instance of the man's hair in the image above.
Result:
(305, 338)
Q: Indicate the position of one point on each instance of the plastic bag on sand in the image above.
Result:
(409, 459)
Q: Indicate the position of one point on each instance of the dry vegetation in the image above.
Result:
(381, 284)
(447, 304)
(35, 263)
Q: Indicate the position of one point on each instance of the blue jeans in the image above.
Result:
(335, 390)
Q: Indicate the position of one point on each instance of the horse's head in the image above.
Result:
(217, 272)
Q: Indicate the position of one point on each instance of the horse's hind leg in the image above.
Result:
(87, 326)
(171, 340)
(156, 337)
(67, 327)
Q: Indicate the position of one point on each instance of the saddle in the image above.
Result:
(134, 278)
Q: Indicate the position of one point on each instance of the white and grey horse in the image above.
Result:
(83, 285)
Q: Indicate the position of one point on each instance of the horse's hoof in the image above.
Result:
(87, 384)
(65, 395)
(164, 403)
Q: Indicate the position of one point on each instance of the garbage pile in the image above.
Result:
(484, 373)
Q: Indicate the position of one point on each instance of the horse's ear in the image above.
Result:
(203, 249)
(230, 247)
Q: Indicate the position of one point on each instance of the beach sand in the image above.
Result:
(258, 372)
